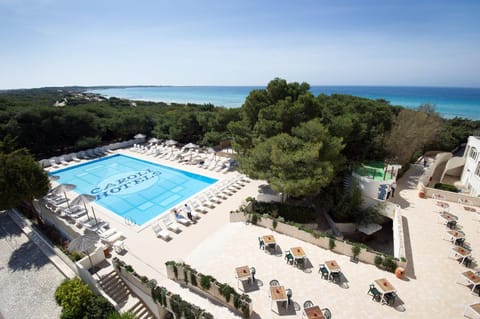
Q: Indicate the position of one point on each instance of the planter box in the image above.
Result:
(213, 291)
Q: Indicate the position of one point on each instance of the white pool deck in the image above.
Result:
(216, 247)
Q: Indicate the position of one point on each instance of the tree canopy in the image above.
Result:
(21, 179)
(412, 131)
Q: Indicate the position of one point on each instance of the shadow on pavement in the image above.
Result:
(27, 257)
(410, 269)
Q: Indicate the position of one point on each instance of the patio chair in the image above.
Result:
(300, 263)
(374, 293)
(459, 242)
(390, 298)
(452, 224)
(261, 243)
(336, 276)
(253, 271)
(326, 313)
(323, 270)
(308, 304)
(289, 257)
(274, 283)
(289, 295)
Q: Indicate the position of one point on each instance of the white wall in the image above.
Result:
(469, 179)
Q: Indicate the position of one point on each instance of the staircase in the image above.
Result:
(114, 286)
(116, 289)
(140, 311)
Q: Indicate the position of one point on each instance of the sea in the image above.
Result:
(449, 102)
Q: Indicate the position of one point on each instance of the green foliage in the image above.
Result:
(205, 281)
(255, 218)
(446, 187)
(378, 260)
(331, 243)
(389, 263)
(226, 291)
(21, 179)
(98, 307)
(129, 268)
(347, 206)
(123, 315)
(289, 212)
(299, 164)
(78, 301)
(356, 250)
(274, 223)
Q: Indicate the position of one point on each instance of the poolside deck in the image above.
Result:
(215, 246)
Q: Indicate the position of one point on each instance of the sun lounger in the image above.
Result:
(205, 202)
(73, 210)
(182, 220)
(220, 193)
(197, 207)
(62, 160)
(57, 201)
(213, 198)
(160, 231)
(171, 224)
(113, 238)
(105, 233)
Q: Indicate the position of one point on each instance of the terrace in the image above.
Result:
(216, 247)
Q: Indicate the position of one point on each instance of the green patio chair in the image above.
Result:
(324, 271)
(376, 295)
(289, 257)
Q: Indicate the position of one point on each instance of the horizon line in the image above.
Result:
(251, 85)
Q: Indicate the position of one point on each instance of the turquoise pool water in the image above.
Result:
(133, 188)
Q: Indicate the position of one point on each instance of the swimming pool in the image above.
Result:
(133, 188)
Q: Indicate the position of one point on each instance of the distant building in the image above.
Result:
(470, 177)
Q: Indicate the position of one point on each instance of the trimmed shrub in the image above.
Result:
(78, 301)
(378, 260)
(446, 187)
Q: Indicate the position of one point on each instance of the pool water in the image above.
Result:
(132, 188)
(374, 170)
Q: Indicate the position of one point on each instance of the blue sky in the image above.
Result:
(58, 43)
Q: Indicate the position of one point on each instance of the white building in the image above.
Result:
(470, 177)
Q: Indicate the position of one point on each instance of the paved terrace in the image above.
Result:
(215, 246)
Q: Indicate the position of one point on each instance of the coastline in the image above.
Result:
(449, 102)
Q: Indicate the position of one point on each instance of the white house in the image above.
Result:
(471, 171)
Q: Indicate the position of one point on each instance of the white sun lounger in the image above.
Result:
(160, 231)
(113, 238)
(183, 220)
(197, 207)
(105, 233)
(213, 198)
(205, 202)
(171, 224)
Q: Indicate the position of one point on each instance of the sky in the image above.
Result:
(247, 42)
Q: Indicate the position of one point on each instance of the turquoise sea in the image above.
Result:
(449, 102)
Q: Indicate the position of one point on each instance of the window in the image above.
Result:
(473, 153)
(477, 171)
